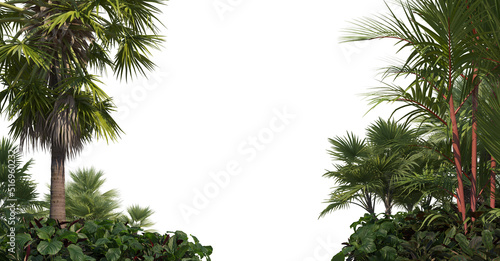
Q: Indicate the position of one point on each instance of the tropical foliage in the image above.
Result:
(45, 239)
(435, 234)
(451, 69)
(451, 59)
(379, 168)
(85, 199)
(16, 184)
(48, 52)
(138, 216)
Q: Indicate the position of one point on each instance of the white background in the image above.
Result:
(223, 75)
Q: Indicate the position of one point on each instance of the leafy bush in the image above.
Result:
(437, 234)
(106, 240)
(374, 238)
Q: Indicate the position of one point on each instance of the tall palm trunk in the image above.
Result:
(57, 193)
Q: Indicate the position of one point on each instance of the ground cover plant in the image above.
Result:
(45, 239)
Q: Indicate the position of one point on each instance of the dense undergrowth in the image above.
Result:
(102, 240)
(437, 234)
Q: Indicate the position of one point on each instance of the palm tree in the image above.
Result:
(139, 216)
(354, 184)
(16, 185)
(447, 42)
(84, 198)
(371, 168)
(395, 147)
(47, 52)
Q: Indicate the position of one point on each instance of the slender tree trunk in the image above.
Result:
(370, 205)
(473, 192)
(493, 183)
(57, 193)
(388, 202)
(388, 207)
(458, 160)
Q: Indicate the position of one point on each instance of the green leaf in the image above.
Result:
(49, 248)
(21, 239)
(119, 227)
(459, 258)
(388, 253)
(90, 227)
(45, 233)
(102, 241)
(487, 239)
(464, 243)
(181, 250)
(338, 257)
(76, 253)
(368, 246)
(475, 242)
(450, 233)
(71, 236)
(113, 254)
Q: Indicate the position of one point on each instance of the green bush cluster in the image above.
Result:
(102, 240)
(437, 234)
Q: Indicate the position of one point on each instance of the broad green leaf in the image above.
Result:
(181, 235)
(368, 246)
(102, 241)
(338, 257)
(21, 239)
(487, 239)
(181, 250)
(49, 248)
(71, 236)
(45, 233)
(387, 225)
(464, 243)
(388, 253)
(76, 253)
(113, 254)
(450, 233)
(119, 227)
(475, 242)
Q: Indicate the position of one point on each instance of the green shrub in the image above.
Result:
(106, 240)
(436, 234)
